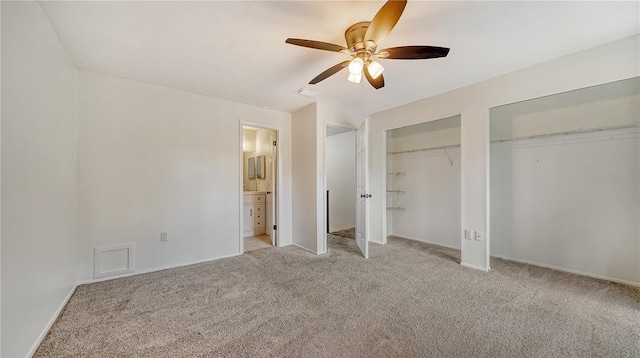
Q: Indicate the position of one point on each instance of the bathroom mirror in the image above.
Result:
(251, 168)
(260, 168)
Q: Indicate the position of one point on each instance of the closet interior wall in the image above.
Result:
(340, 169)
(565, 181)
(423, 182)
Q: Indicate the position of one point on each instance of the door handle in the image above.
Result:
(367, 195)
(363, 196)
(250, 212)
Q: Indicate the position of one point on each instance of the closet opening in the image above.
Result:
(423, 183)
(340, 195)
(259, 197)
(565, 181)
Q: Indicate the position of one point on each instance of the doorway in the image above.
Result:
(341, 188)
(259, 197)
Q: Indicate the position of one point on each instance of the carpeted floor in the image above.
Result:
(408, 300)
(347, 234)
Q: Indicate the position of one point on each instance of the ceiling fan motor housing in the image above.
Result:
(355, 39)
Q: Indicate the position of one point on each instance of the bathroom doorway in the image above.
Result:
(259, 188)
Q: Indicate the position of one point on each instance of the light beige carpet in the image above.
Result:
(408, 300)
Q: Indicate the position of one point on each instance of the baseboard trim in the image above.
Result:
(563, 269)
(427, 242)
(142, 272)
(485, 269)
(383, 242)
(305, 249)
(53, 319)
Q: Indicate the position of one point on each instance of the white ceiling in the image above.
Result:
(235, 50)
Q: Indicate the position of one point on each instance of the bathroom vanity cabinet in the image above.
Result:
(254, 213)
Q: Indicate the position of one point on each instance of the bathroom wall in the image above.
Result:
(257, 142)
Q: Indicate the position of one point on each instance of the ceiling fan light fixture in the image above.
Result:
(355, 67)
(363, 39)
(355, 78)
(375, 69)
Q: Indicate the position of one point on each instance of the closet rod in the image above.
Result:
(559, 134)
(538, 136)
(445, 147)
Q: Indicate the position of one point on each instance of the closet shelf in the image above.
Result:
(443, 147)
(560, 134)
(398, 174)
(396, 191)
(395, 208)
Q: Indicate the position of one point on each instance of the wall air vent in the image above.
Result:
(113, 260)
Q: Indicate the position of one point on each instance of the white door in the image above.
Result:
(362, 195)
(272, 202)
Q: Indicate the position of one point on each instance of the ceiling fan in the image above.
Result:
(363, 39)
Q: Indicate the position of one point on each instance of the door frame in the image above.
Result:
(276, 176)
(351, 128)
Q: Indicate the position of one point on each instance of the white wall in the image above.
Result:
(431, 182)
(443, 132)
(308, 182)
(347, 118)
(614, 61)
(39, 177)
(154, 159)
(341, 180)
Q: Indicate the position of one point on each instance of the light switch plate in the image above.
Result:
(467, 234)
(478, 235)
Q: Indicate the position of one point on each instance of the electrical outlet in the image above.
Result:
(467, 234)
(164, 236)
(478, 235)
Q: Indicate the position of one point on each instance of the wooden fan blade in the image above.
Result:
(384, 21)
(377, 83)
(317, 45)
(413, 52)
(329, 72)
